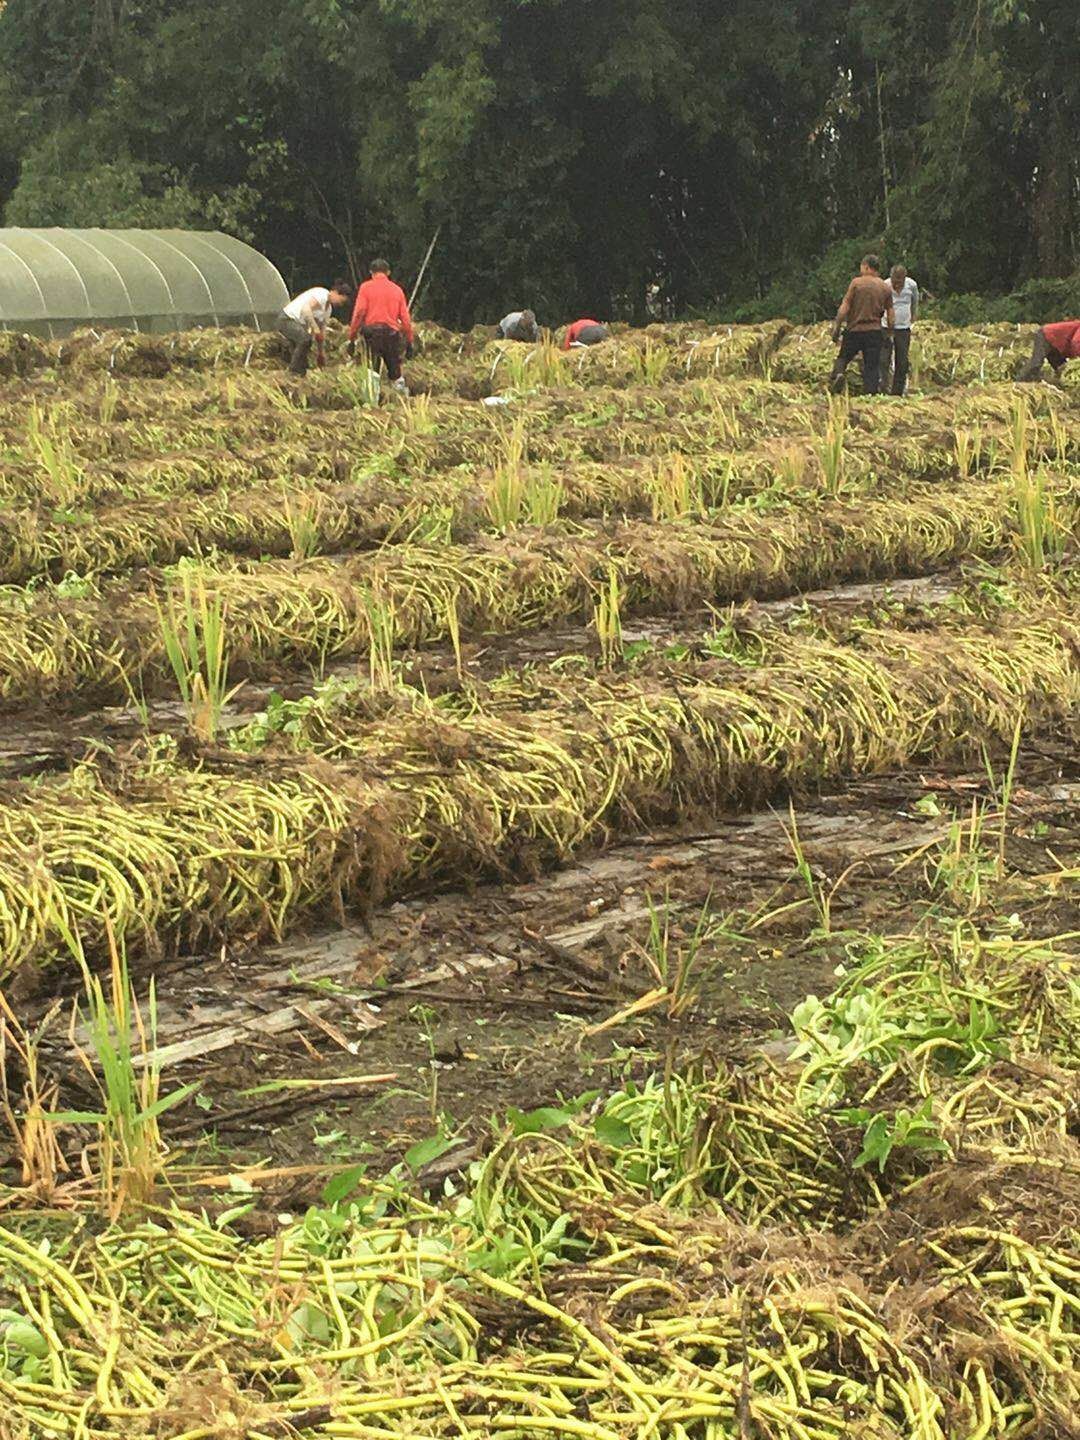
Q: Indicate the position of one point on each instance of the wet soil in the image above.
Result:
(472, 1001)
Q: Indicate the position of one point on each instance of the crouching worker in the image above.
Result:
(303, 322)
(585, 332)
(381, 315)
(1054, 344)
(519, 325)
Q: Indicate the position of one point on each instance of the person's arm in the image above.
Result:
(406, 319)
(890, 313)
(842, 313)
(311, 320)
(358, 314)
(914, 301)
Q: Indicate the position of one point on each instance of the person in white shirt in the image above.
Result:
(303, 321)
(519, 325)
(897, 347)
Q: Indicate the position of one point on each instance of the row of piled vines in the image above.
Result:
(107, 639)
(167, 848)
(159, 512)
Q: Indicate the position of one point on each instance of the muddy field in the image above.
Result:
(543, 908)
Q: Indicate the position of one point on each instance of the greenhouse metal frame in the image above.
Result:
(54, 281)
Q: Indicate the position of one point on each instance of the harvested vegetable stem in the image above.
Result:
(171, 853)
(292, 613)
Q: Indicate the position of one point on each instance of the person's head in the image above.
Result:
(341, 292)
(528, 317)
(380, 267)
(898, 275)
(869, 265)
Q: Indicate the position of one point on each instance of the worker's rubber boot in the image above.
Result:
(400, 386)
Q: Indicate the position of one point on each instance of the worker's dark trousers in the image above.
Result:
(896, 351)
(300, 340)
(1041, 352)
(384, 343)
(592, 335)
(868, 344)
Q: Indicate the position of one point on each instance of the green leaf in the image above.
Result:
(424, 1151)
(308, 1322)
(613, 1132)
(338, 1186)
(170, 1101)
(877, 1143)
(21, 1335)
(532, 1122)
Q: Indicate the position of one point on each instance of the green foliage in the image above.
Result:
(884, 1133)
(740, 157)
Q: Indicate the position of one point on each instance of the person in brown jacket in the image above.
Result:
(867, 300)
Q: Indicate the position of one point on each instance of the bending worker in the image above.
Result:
(519, 325)
(1055, 344)
(585, 332)
(303, 322)
(868, 298)
(381, 314)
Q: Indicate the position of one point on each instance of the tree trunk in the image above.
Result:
(1053, 208)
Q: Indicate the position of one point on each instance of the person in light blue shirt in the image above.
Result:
(519, 325)
(896, 349)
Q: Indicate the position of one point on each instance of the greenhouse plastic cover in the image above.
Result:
(55, 281)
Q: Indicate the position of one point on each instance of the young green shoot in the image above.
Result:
(302, 518)
(193, 631)
(54, 453)
(118, 1052)
(675, 489)
(831, 447)
(1003, 792)
(820, 897)
(110, 397)
(382, 637)
(676, 965)
(968, 445)
(542, 496)
(654, 361)
(425, 1018)
(506, 493)
(607, 619)
(961, 865)
(791, 468)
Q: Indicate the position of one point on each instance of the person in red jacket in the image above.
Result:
(1054, 343)
(585, 332)
(381, 313)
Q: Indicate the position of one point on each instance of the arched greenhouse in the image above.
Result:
(55, 281)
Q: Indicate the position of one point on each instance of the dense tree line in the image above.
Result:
(571, 154)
